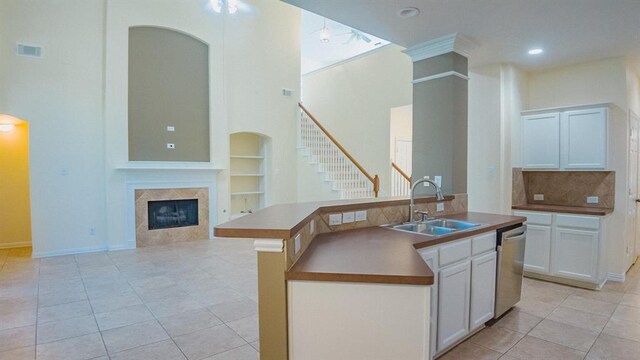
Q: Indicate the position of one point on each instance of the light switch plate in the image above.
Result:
(361, 215)
(348, 217)
(335, 219)
(171, 128)
(425, 184)
(538, 197)
(440, 207)
(593, 200)
(312, 227)
(297, 243)
(438, 180)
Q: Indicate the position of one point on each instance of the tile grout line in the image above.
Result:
(84, 286)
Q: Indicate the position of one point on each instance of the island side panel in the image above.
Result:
(272, 305)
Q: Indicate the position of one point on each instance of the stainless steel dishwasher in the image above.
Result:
(510, 248)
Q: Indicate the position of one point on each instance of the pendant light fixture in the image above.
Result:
(325, 35)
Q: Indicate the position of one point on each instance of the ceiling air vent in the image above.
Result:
(29, 50)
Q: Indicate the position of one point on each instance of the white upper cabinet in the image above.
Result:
(567, 139)
(541, 141)
(584, 139)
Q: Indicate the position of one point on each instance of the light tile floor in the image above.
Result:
(198, 301)
(195, 300)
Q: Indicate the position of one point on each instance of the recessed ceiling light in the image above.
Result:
(408, 12)
(536, 51)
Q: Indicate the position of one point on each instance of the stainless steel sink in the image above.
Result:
(435, 227)
(452, 224)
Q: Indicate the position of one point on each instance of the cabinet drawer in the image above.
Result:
(483, 243)
(535, 217)
(578, 221)
(451, 253)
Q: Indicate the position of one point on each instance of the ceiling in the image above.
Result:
(316, 54)
(569, 31)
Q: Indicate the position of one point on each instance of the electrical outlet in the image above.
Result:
(440, 207)
(593, 200)
(312, 227)
(297, 243)
(425, 184)
(171, 128)
(438, 180)
(171, 146)
(538, 197)
(348, 217)
(335, 219)
(361, 215)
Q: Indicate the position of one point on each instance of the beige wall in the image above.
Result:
(353, 100)
(168, 86)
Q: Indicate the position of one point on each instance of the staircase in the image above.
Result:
(400, 181)
(333, 161)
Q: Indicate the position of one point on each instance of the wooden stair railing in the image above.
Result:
(400, 181)
(374, 179)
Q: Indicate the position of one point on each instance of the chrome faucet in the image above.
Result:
(439, 196)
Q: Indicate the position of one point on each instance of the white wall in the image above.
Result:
(353, 100)
(75, 99)
(484, 145)
(60, 95)
(596, 82)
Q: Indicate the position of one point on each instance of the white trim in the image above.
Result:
(41, 254)
(449, 43)
(168, 165)
(13, 245)
(439, 76)
(566, 108)
(616, 277)
(269, 245)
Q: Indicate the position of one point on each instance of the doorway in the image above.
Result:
(632, 247)
(15, 214)
(400, 153)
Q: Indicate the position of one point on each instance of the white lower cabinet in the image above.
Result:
(576, 254)
(538, 249)
(463, 292)
(483, 289)
(564, 246)
(453, 310)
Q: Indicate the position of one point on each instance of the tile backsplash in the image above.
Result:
(568, 188)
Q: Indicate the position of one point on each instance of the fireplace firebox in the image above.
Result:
(164, 214)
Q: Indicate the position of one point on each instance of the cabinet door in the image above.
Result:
(583, 135)
(453, 304)
(537, 251)
(575, 254)
(541, 141)
(483, 289)
(430, 256)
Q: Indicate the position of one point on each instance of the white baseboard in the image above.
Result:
(12, 245)
(126, 246)
(616, 277)
(41, 254)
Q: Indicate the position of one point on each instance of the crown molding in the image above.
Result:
(454, 42)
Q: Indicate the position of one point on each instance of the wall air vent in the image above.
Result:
(29, 50)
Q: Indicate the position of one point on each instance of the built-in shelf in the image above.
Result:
(247, 169)
(247, 157)
(251, 175)
(247, 193)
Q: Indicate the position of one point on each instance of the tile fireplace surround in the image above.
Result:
(146, 237)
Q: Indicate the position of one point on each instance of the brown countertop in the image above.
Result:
(564, 209)
(381, 255)
(284, 221)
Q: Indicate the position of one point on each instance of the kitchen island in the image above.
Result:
(349, 276)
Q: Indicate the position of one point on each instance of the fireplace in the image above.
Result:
(164, 214)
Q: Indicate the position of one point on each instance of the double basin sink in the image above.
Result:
(435, 227)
